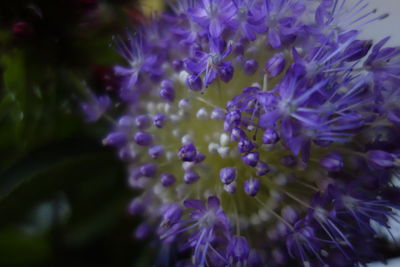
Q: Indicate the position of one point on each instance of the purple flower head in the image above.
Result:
(299, 137)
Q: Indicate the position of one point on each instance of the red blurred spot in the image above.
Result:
(22, 29)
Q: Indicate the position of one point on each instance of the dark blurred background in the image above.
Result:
(63, 196)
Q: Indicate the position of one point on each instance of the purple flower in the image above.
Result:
(214, 16)
(95, 107)
(139, 61)
(211, 63)
(299, 138)
(238, 249)
(281, 20)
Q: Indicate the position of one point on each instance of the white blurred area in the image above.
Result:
(386, 27)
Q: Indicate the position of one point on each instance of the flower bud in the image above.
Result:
(227, 175)
(276, 65)
(252, 186)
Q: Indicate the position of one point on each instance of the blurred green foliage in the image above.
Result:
(63, 196)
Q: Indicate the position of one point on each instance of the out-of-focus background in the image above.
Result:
(63, 196)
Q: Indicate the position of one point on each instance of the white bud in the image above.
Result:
(230, 188)
(151, 107)
(187, 165)
(254, 219)
(213, 148)
(183, 76)
(167, 108)
(186, 139)
(264, 215)
(224, 139)
(184, 104)
(202, 114)
(223, 151)
(175, 118)
(176, 133)
(170, 155)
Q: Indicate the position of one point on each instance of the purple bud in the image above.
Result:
(232, 119)
(357, 50)
(227, 175)
(237, 134)
(159, 120)
(262, 168)
(142, 122)
(126, 122)
(230, 188)
(252, 186)
(148, 169)
(381, 158)
(276, 65)
(177, 65)
(251, 159)
(218, 114)
(143, 139)
(245, 145)
(238, 249)
(250, 66)
(200, 157)
(254, 259)
(187, 152)
(168, 94)
(167, 179)
(126, 153)
(156, 151)
(190, 177)
(289, 214)
(115, 139)
(171, 215)
(142, 231)
(194, 82)
(136, 207)
(270, 136)
(289, 161)
(226, 72)
(332, 162)
(239, 49)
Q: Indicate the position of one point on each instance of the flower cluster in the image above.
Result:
(260, 132)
